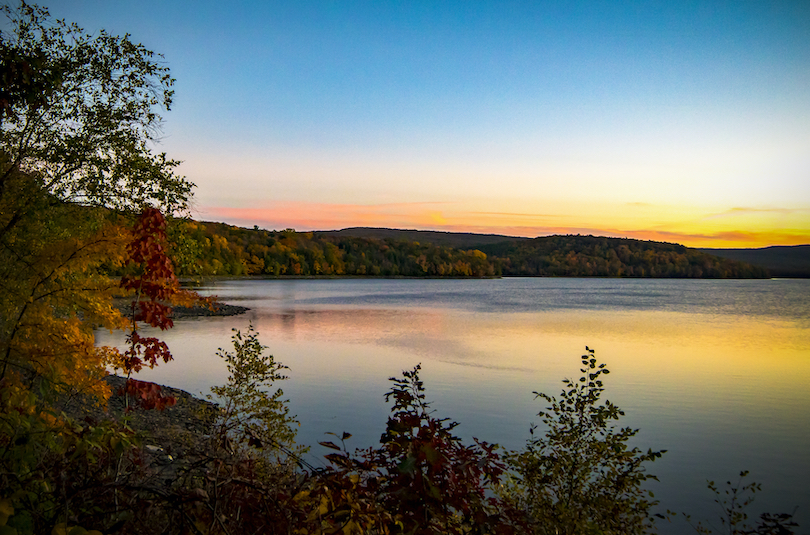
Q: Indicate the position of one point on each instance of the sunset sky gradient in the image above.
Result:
(676, 121)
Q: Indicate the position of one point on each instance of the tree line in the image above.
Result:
(588, 256)
(204, 248)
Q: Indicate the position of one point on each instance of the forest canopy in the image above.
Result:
(81, 115)
(204, 248)
(587, 256)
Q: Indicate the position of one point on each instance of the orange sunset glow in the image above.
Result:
(712, 230)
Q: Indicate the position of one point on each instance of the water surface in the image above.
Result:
(712, 371)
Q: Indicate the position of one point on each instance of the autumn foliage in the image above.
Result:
(76, 165)
(151, 281)
(154, 279)
(206, 248)
(55, 293)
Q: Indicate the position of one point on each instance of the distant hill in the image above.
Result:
(779, 260)
(597, 256)
(208, 248)
(458, 240)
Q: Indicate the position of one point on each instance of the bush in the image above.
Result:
(251, 410)
(581, 476)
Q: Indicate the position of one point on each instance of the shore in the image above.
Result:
(175, 431)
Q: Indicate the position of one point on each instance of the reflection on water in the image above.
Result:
(709, 370)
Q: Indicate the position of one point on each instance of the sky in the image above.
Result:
(684, 121)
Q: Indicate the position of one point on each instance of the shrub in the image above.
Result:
(581, 476)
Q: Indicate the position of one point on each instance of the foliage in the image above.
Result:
(204, 248)
(80, 114)
(49, 465)
(150, 277)
(581, 476)
(434, 482)
(733, 502)
(585, 256)
(52, 471)
(422, 475)
(250, 410)
(421, 479)
(53, 291)
(218, 249)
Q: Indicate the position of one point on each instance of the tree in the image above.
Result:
(420, 480)
(733, 502)
(80, 116)
(52, 292)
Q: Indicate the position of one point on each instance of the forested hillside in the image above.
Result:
(203, 248)
(587, 256)
(779, 260)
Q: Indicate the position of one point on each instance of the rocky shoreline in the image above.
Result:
(220, 309)
(175, 430)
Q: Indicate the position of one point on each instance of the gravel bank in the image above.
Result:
(177, 430)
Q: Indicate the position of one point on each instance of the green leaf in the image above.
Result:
(408, 465)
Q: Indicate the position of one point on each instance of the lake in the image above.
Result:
(711, 370)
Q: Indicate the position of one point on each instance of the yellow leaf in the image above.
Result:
(6, 508)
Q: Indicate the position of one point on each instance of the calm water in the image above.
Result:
(712, 371)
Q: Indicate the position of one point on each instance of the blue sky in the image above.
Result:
(684, 121)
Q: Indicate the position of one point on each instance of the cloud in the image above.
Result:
(516, 215)
(742, 211)
(732, 238)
